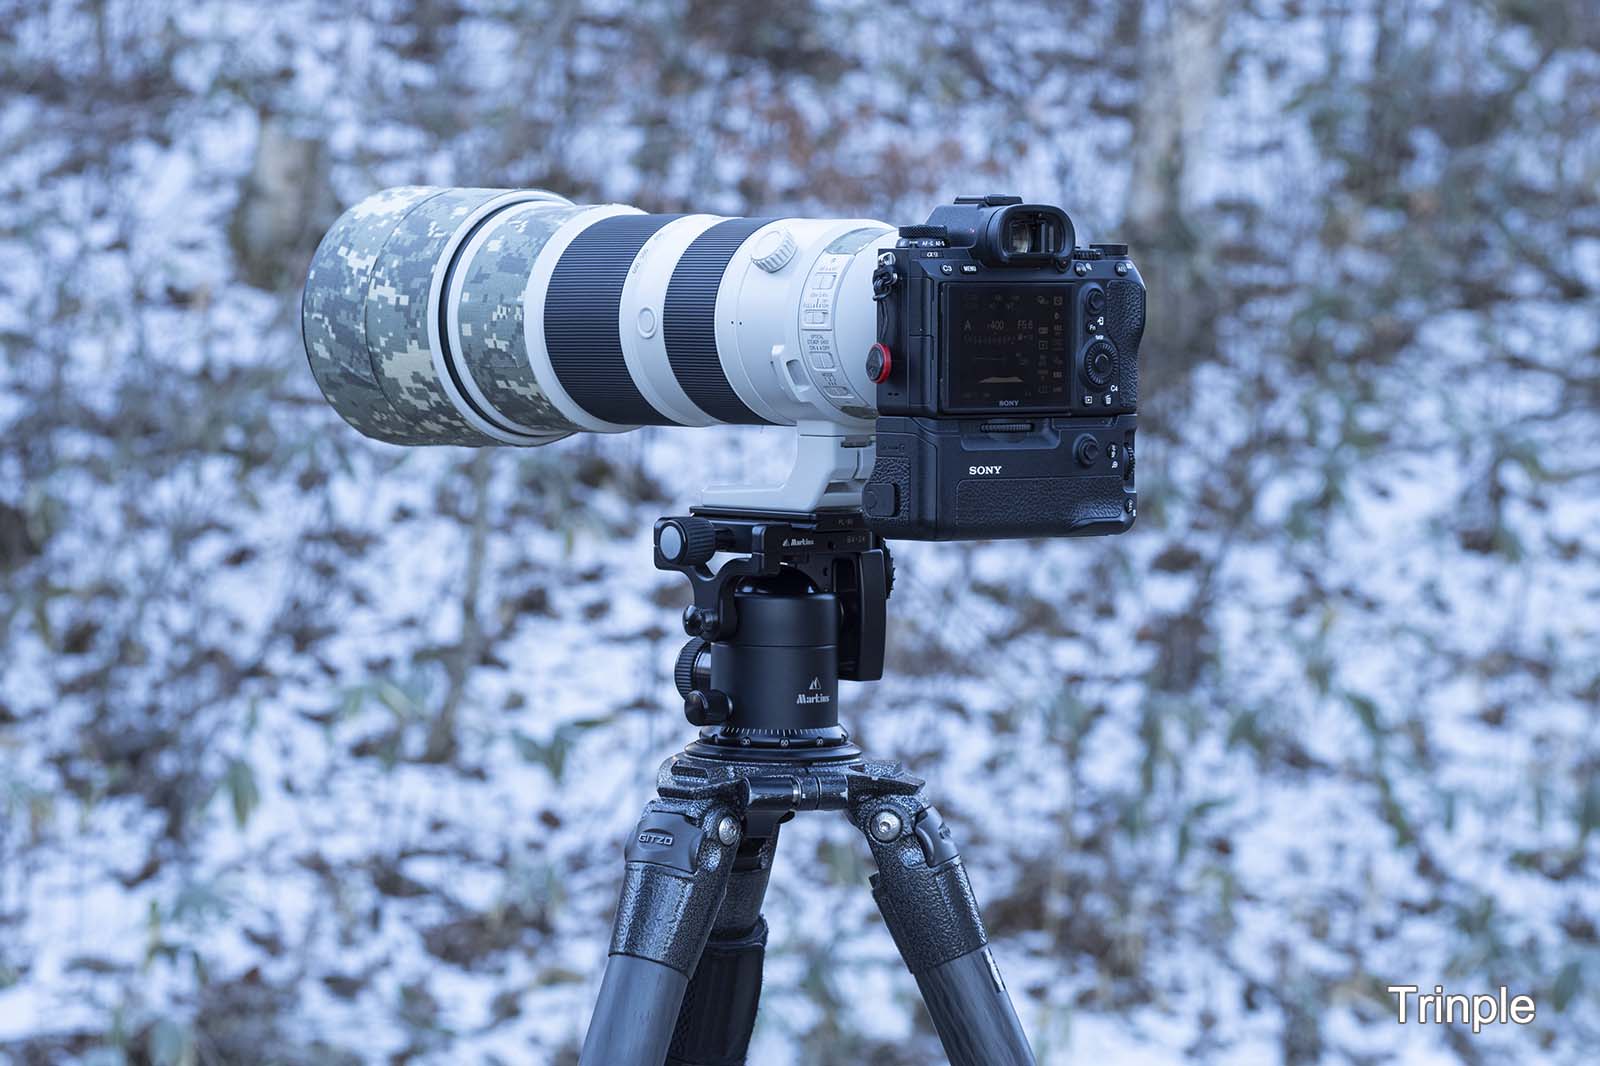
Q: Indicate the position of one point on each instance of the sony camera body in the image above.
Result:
(1006, 368)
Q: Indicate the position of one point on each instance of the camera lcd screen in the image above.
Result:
(1006, 346)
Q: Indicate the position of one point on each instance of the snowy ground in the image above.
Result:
(1324, 722)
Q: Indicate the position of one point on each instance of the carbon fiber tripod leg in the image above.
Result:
(719, 1007)
(678, 865)
(922, 890)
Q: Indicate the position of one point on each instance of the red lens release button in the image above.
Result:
(878, 363)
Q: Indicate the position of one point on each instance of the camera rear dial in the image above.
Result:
(1100, 364)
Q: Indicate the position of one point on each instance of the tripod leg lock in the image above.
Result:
(676, 874)
(921, 887)
(666, 838)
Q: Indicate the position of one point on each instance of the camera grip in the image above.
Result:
(943, 480)
(1125, 302)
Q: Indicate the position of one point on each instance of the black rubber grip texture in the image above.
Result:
(581, 307)
(1044, 506)
(1125, 327)
(689, 323)
(718, 1012)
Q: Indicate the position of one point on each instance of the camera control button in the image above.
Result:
(1086, 449)
(1100, 364)
(879, 362)
(880, 499)
(1095, 301)
(946, 268)
(969, 268)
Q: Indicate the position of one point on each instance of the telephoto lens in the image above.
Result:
(488, 316)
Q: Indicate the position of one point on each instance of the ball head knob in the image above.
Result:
(707, 708)
(683, 671)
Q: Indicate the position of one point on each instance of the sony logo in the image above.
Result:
(978, 471)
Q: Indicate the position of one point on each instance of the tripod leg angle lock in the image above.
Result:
(800, 604)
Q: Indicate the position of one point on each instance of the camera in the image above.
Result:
(1006, 369)
(996, 398)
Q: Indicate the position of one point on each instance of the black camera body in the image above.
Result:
(1007, 374)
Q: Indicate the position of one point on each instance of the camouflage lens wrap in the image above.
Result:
(489, 316)
(492, 336)
(398, 320)
(333, 313)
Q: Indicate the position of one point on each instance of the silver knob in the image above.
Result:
(773, 250)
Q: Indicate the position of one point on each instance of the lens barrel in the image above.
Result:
(485, 316)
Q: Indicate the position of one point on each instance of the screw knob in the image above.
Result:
(686, 541)
(774, 250)
(697, 622)
(689, 658)
(707, 708)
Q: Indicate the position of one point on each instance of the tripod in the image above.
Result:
(800, 606)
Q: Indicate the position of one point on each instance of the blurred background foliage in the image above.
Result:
(314, 750)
